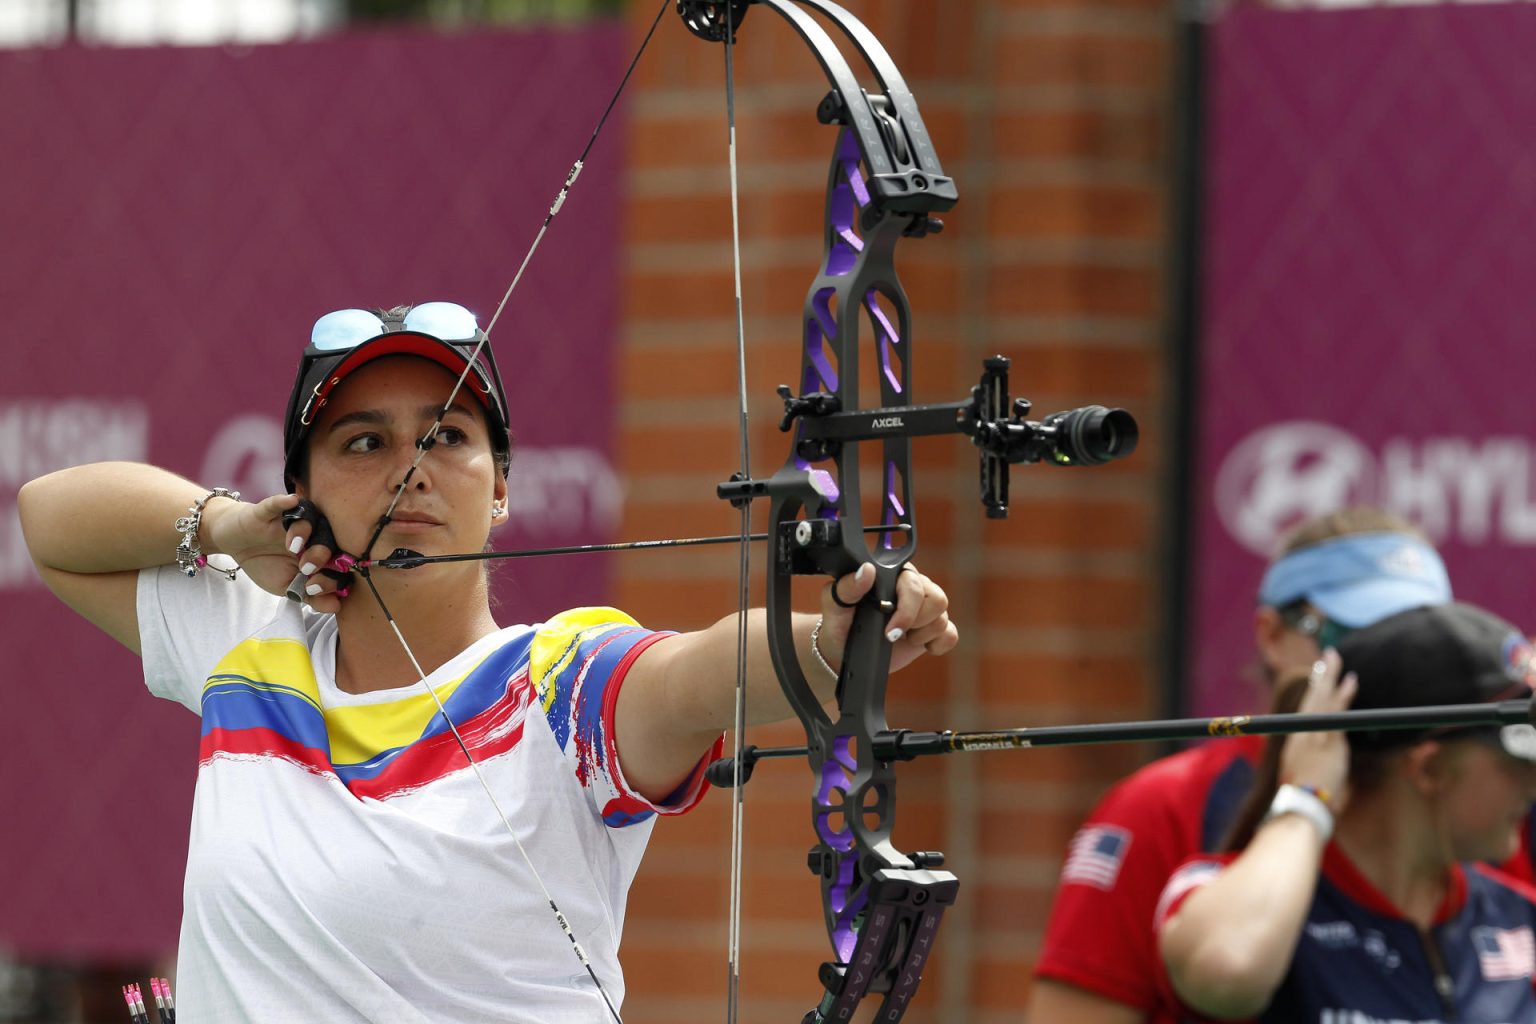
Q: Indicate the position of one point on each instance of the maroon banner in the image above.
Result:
(1368, 269)
(172, 223)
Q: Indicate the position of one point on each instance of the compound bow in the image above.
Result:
(882, 906)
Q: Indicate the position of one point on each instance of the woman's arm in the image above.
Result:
(90, 529)
(1228, 947)
(680, 694)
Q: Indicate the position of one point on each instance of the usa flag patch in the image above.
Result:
(1505, 954)
(1095, 856)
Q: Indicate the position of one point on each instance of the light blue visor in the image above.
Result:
(1360, 578)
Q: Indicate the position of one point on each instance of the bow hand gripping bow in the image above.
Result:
(882, 906)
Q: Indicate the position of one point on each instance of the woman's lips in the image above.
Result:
(413, 524)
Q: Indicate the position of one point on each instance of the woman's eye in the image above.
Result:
(363, 443)
(452, 436)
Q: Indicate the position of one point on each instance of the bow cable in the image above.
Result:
(425, 444)
(738, 825)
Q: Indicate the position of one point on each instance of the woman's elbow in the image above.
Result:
(1220, 978)
(29, 500)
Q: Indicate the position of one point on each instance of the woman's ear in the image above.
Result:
(1430, 767)
(1268, 632)
(499, 501)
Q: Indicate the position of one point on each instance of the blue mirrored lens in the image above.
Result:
(447, 321)
(344, 329)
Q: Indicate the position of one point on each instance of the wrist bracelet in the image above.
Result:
(189, 553)
(816, 648)
(1307, 801)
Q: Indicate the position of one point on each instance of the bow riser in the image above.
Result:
(882, 908)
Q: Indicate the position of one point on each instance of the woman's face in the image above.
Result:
(1486, 799)
(364, 441)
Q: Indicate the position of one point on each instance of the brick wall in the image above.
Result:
(1051, 115)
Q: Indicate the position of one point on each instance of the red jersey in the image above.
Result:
(1100, 936)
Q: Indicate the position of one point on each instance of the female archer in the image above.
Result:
(345, 863)
(1353, 888)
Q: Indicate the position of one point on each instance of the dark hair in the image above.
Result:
(1367, 769)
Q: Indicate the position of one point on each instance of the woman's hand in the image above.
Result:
(919, 625)
(1320, 760)
(252, 533)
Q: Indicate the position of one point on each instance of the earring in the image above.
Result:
(497, 511)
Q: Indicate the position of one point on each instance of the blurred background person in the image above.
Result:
(1334, 573)
(1351, 888)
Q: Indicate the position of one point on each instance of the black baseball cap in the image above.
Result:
(1442, 654)
(344, 340)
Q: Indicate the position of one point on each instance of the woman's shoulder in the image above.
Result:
(1496, 885)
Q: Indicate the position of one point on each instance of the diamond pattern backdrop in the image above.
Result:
(1368, 302)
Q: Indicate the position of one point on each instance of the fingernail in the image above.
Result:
(312, 589)
(308, 568)
(894, 635)
(296, 545)
(863, 573)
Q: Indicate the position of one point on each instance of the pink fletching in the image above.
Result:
(128, 996)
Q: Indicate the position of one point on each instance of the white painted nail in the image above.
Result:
(312, 589)
(863, 573)
(894, 635)
(296, 545)
(308, 568)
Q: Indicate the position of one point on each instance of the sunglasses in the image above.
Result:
(1304, 620)
(346, 329)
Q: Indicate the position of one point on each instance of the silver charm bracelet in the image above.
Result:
(189, 553)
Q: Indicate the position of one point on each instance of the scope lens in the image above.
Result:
(1094, 435)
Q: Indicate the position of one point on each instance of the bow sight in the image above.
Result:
(1088, 436)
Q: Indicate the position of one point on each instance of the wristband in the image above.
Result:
(1307, 801)
(189, 553)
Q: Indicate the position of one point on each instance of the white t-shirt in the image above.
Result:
(346, 866)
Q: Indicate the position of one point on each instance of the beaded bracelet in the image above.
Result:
(189, 553)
